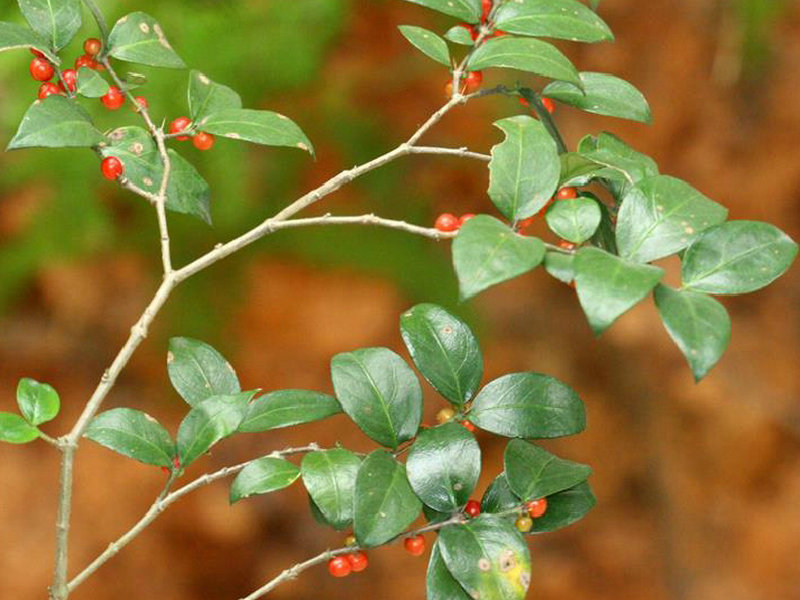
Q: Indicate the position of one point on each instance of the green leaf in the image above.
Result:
(13, 36)
(56, 122)
(187, 191)
(737, 257)
(15, 430)
(603, 95)
(609, 286)
(466, 10)
(533, 56)
(441, 585)
(533, 473)
(90, 83)
(499, 497)
(257, 126)
(380, 392)
(443, 466)
(261, 476)
(57, 21)
(138, 38)
(662, 215)
(330, 478)
(209, 422)
(577, 170)
(444, 349)
(284, 408)
(488, 557)
(134, 434)
(525, 168)
(561, 266)
(427, 42)
(697, 323)
(561, 19)
(528, 405)
(38, 402)
(207, 97)
(197, 371)
(385, 504)
(605, 236)
(459, 34)
(565, 508)
(622, 160)
(487, 252)
(574, 220)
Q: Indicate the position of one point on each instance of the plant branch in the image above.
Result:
(369, 219)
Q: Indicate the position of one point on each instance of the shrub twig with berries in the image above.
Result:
(611, 214)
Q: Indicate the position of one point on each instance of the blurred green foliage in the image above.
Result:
(757, 20)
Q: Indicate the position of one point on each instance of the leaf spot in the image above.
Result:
(203, 79)
(302, 146)
(525, 580)
(484, 564)
(170, 357)
(144, 27)
(137, 148)
(507, 560)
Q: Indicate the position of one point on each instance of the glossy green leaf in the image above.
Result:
(466, 10)
(284, 408)
(38, 402)
(525, 168)
(261, 476)
(444, 349)
(533, 473)
(574, 220)
(577, 170)
(134, 434)
(207, 97)
(197, 371)
(55, 122)
(440, 584)
(16, 430)
(609, 286)
(330, 478)
(380, 392)
(697, 323)
(487, 252)
(499, 497)
(434, 516)
(560, 265)
(737, 257)
(57, 21)
(385, 504)
(257, 126)
(90, 83)
(459, 34)
(603, 95)
(533, 56)
(561, 19)
(427, 42)
(662, 215)
(13, 37)
(443, 466)
(208, 422)
(565, 508)
(488, 557)
(619, 158)
(528, 405)
(138, 38)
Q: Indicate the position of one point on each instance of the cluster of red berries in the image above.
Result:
(533, 510)
(43, 70)
(344, 564)
(448, 222)
(201, 140)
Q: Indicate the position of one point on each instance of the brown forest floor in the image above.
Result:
(698, 485)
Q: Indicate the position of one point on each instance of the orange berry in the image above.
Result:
(414, 545)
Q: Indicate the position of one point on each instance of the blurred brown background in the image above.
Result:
(698, 486)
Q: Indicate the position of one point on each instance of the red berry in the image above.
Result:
(41, 69)
(446, 222)
(339, 566)
(111, 168)
(141, 102)
(523, 101)
(180, 124)
(536, 508)
(358, 561)
(84, 60)
(567, 193)
(203, 140)
(499, 33)
(549, 105)
(70, 79)
(92, 46)
(472, 82)
(114, 99)
(176, 463)
(464, 218)
(473, 508)
(469, 426)
(486, 8)
(48, 89)
(415, 545)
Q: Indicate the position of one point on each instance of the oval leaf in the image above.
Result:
(441, 585)
(574, 220)
(466, 10)
(487, 252)
(525, 168)
(602, 94)
(737, 257)
(697, 323)
(385, 504)
(56, 122)
(262, 476)
(134, 434)
(197, 371)
(207, 97)
(533, 473)
(443, 466)
(38, 402)
(427, 42)
(90, 83)
(257, 126)
(16, 430)
(380, 392)
(138, 38)
(565, 508)
(561, 19)
(459, 34)
(57, 21)
(528, 405)
(444, 349)
(208, 422)
(330, 478)
(533, 56)
(288, 407)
